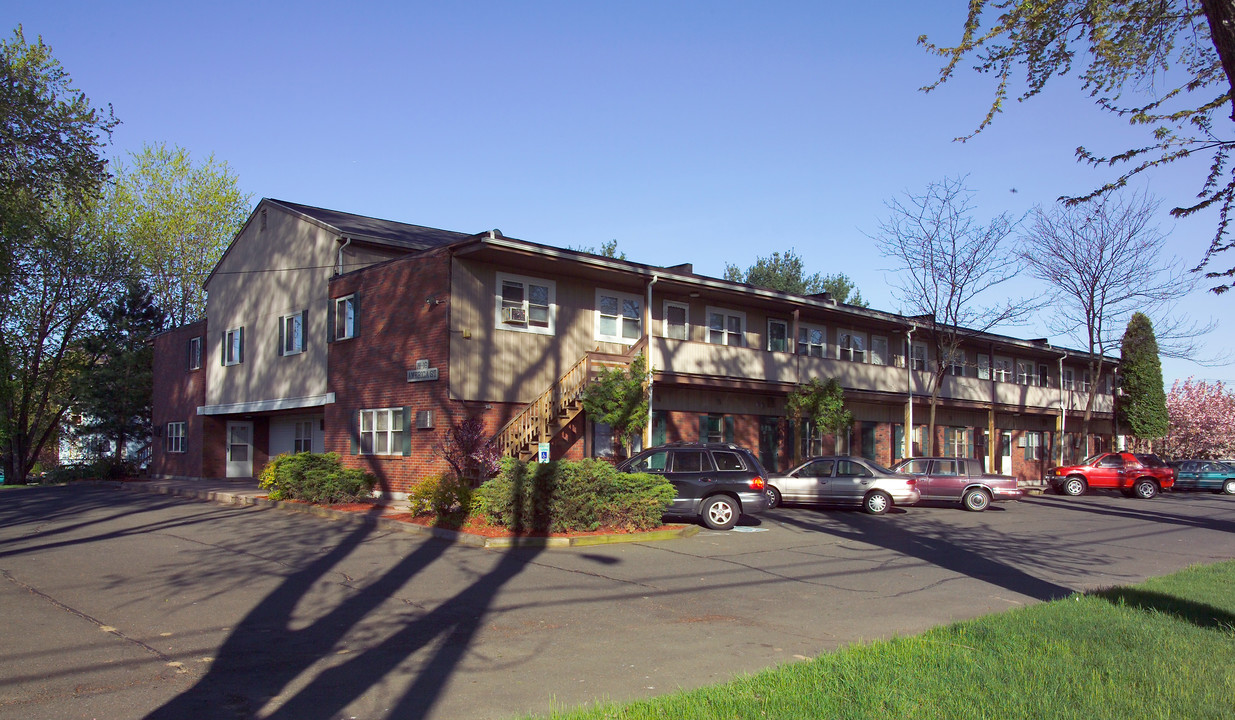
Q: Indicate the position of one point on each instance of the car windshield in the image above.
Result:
(1092, 459)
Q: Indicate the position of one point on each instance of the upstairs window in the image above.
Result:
(879, 350)
(233, 346)
(1003, 369)
(619, 317)
(291, 334)
(851, 347)
(956, 362)
(526, 304)
(1026, 373)
(918, 360)
(677, 321)
(726, 327)
(811, 340)
(984, 367)
(195, 353)
(346, 317)
(1067, 382)
(778, 336)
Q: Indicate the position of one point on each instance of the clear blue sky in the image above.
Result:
(705, 132)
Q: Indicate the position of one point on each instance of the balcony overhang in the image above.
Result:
(257, 406)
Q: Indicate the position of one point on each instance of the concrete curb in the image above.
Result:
(243, 499)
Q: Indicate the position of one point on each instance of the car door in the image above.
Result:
(850, 481)
(1108, 471)
(657, 463)
(692, 474)
(808, 483)
(947, 480)
(1186, 474)
(1210, 476)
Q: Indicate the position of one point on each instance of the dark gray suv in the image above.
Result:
(715, 482)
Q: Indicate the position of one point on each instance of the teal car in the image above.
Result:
(1204, 475)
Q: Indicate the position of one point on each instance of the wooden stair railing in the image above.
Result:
(557, 406)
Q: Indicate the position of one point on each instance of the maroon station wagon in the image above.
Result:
(960, 480)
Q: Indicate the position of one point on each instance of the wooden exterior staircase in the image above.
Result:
(543, 418)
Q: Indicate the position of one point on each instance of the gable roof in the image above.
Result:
(375, 230)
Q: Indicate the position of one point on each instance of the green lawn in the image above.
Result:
(1161, 649)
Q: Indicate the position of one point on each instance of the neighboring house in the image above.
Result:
(328, 331)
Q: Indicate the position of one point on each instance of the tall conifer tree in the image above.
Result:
(1142, 408)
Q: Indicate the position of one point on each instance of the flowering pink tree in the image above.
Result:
(1202, 421)
(469, 450)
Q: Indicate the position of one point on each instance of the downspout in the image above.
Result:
(346, 241)
(909, 385)
(647, 329)
(1063, 411)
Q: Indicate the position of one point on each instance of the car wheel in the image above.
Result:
(1073, 486)
(773, 498)
(877, 502)
(1228, 487)
(1145, 489)
(976, 500)
(720, 512)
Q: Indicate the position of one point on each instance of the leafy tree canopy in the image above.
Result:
(1176, 56)
(822, 403)
(608, 250)
(1202, 418)
(787, 273)
(1142, 408)
(178, 218)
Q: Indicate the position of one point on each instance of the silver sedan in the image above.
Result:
(843, 480)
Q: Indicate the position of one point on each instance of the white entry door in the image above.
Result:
(240, 449)
(1005, 450)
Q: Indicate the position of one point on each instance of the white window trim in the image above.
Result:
(195, 353)
(664, 323)
(1026, 373)
(233, 339)
(175, 442)
(790, 343)
(298, 439)
(918, 356)
(984, 367)
(1003, 369)
(1068, 379)
(622, 297)
(726, 331)
(394, 438)
(525, 281)
(823, 345)
(884, 358)
(342, 303)
(841, 350)
(956, 363)
(287, 322)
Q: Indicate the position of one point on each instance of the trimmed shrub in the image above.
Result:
(566, 496)
(444, 496)
(315, 478)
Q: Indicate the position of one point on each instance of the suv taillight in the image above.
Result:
(756, 483)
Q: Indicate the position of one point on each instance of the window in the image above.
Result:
(850, 468)
(778, 336)
(811, 340)
(175, 437)
(879, 350)
(381, 431)
(716, 428)
(1003, 369)
(851, 347)
(726, 327)
(1085, 382)
(726, 460)
(1026, 373)
(656, 462)
(691, 461)
(1033, 445)
(946, 467)
(304, 437)
(817, 469)
(918, 359)
(233, 346)
(955, 359)
(619, 317)
(1067, 381)
(1044, 375)
(527, 304)
(195, 353)
(812, 440)
(346, 313)
(984, 367)
(677, 321)
(291, 334)
(956, 442)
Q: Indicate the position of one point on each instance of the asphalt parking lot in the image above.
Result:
(129, 605)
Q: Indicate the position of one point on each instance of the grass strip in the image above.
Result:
(1162, 649)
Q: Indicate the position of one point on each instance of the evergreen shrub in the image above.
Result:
(315, 478)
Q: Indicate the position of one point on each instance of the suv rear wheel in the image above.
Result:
(1145, 488)
(720, 512)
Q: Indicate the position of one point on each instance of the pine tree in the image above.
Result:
(1142, 409)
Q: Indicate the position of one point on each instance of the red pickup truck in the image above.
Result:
(1136, 474)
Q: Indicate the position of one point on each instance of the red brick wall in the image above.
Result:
(396, 328)
(178, 392)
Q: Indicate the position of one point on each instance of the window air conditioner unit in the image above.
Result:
(424, 419)
(514, 315)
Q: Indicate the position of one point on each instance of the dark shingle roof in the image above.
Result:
(384, 232)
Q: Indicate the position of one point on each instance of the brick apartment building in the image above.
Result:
(328, 331)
